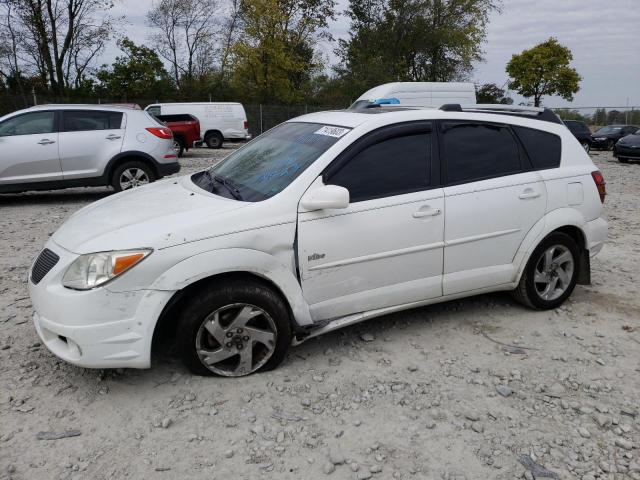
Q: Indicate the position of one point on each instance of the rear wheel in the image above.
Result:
(178, 147)
(131, 175)
(551, 273)
(213, 140)
(234, 329)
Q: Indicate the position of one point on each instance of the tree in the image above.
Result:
(185, 36)
(138, 73)
(544, 70)
(491, 93)
(275, 58)
(59, 39)
(570, 115)
(412, 40)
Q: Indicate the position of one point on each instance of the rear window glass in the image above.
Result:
(86, 120)
(544, 148)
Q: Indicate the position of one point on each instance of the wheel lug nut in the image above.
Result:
(229, 334)
(239, 330)
(229, 344)
(246, 338)
(239, 346)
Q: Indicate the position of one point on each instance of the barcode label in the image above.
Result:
(336, 132)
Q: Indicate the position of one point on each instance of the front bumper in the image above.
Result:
(623, 151)
(95, 328)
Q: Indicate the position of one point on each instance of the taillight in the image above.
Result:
(601, 185)
(161, 132)
(246, 125)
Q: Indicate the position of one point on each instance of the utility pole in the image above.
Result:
(35, 99)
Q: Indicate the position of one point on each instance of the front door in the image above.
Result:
(88, 140)
(492, 200)
(29, 149)
(386, 247)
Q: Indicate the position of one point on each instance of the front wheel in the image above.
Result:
(551, 273)
(131, 175)
(213, 140)
(234, 329)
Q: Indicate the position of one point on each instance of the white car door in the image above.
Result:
(492, 200)
(88, 140)
(29, 146)
(386, 247)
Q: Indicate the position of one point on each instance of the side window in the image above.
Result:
(476, 151)
(544, 148)
(155, 110)
(85, 120)
(390, 167)
(28, 124)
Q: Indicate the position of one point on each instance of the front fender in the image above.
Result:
(230, 260)
(553, 220)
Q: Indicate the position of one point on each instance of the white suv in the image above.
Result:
(323, 221)
(59, 146)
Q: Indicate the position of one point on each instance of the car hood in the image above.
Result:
(630, 140)
(149, 216)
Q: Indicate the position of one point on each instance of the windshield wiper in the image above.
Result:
(233, 190)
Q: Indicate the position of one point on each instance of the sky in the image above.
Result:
(604, 36)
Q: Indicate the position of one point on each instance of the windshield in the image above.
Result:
(268, 164)
(605, 130)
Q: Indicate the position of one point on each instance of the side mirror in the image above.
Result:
(325, 197)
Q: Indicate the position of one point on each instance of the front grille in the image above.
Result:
(45, 262)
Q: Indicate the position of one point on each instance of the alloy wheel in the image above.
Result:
(133, 177)
(236, 340)
(554, 272)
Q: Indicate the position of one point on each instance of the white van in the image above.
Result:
(219, 121)
(419, 94)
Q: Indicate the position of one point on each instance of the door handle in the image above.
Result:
(113, 137)
(45, 141)
(528, 193)
(427, 213)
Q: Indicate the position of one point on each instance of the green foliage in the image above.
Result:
(491, 93)
(136, 74)
(411, 40)
(570, 115)
(275, 59)
(544, 70)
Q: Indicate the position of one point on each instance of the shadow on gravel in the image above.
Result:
(53, 197)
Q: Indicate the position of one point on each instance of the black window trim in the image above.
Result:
(56, 121)
(385, 133)
(525, 162)
(61, 114)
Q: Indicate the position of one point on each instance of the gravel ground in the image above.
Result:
(432, 393)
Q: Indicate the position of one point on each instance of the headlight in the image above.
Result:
(601, 139)
(94, 269)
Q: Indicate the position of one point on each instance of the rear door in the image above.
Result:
(29, 148)
(88, 140)
(492, 199)
(386, 247)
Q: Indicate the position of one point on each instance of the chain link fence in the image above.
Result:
(261, 117)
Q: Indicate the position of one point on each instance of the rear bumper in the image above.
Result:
(165, 169)
(596, 233)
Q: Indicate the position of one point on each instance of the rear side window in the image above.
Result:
(544, 148)
(155, 110)
(390, 167)
(477, 151)
(86, 120)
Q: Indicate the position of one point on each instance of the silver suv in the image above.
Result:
(59, 146)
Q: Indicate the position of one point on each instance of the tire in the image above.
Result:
(623, 160)
(610, 145)
(178, 147)
(232, 311)
(528, 291)
(140, 173)
(213, 140)
(586, 146)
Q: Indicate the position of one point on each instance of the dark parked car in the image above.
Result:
(628, 148)
(606, 137)
(581, 132)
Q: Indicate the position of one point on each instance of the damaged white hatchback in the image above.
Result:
(321, 222)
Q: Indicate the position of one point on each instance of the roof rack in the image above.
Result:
(536, 113)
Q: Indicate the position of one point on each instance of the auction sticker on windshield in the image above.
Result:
(336, 132)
